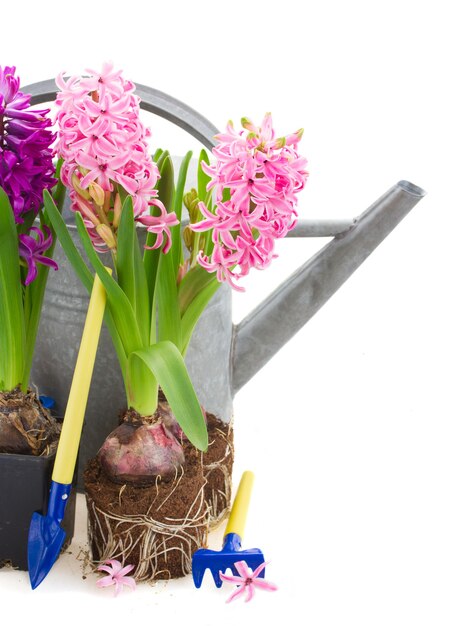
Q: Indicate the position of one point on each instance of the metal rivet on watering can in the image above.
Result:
(232, 354)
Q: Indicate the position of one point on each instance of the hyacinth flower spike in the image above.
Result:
(254, 181)
(26, 171)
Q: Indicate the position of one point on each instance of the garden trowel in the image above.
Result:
(46, 536)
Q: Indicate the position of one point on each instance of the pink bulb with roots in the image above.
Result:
(140, 452)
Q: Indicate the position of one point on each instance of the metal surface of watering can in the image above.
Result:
(231, 353)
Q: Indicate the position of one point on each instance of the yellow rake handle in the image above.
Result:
(68, 445)
(239, 511)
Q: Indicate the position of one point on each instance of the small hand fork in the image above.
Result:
(231, 551)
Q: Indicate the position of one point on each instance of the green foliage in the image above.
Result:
(151, 313)
(176, 250)
(203, 179)
(130, 270)
(20, 305)
(12, 323)
(166, 363)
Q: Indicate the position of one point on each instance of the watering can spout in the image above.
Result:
(261, 334)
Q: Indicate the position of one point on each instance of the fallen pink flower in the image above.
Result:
(247, 581)
(116, 575)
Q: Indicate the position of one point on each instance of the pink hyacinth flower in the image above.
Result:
(160, 226)
(104, 145)
(248, 581)
(116, 575)
(222, 261)
(255, 180)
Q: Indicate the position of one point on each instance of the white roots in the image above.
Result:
(218, 499)
(149, 543)
(115, 536)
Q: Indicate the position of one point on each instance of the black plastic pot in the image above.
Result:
(24, 488)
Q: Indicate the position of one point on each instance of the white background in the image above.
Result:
(350, 428)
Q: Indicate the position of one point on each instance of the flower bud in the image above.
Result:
(183, 269)
(77, 186)
(117, 211)
(188, 238)
(294, 138)
(97, 193)
(189, 198)
(279, 143)
(193, 211)
(106, 235)
(86, 210)
(252, 140)
(248, 124)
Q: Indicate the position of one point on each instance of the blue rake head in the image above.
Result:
(224, 559)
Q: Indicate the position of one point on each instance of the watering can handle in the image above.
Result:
(152, 100)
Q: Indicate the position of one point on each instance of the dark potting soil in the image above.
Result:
(217, 467)
(156, 528)
(26, 427)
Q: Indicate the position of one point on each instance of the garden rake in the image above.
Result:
(231, 551)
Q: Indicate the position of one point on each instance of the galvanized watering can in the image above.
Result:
(230, 354)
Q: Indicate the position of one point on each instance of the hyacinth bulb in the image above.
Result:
(166, 414)
(26, 427)
(138, 452)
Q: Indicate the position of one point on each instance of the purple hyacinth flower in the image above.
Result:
(31, 250)
(26, 167)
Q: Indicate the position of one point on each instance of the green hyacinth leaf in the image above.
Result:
(120, 307)
(167, 365)
(12, 325)
(130, 269)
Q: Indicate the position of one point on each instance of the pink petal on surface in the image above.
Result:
(249, 592)
(237, 580)
(259, 569)
(235, 594)
(264, 584)
(130, 582)
(105, 568)
(116, 565)
(243, 569)
(118, 588)
(125, 570)
(107, 581)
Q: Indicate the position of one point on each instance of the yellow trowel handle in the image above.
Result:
(68, 445)
(239, 511)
